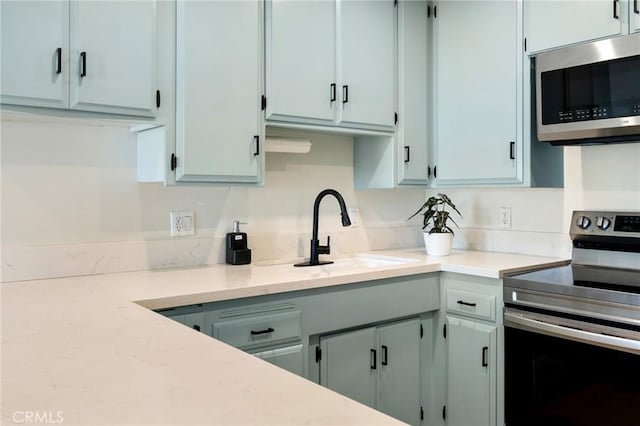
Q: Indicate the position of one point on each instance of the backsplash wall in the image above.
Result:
(71, 204)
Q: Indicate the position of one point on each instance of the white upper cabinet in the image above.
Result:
(634, 16)
(112, 56)
(550, 24)
(300, 69)
(218, 89)
(413, 93)
(35, 52)
(477, 88)
(331, 62)
(367, 63)
(85, 55)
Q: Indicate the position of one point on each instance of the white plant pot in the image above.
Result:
(438, 244)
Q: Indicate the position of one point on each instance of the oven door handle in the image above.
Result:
(520, 321)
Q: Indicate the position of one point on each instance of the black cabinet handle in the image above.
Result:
(435, 172)
(385, 355)
(259, 332)
(462, 302)
(58, 60)
(333, 92)
(83, 62)
(374, 361)
(635, 7)
(428, 171)
(512, 150)
(257, 151)
(345, 94)
(196, 327)
(615, 10)
(407, 154)
(485, 356)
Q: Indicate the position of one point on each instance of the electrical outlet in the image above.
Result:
(354, 215)
(182, 223)
(505, 217)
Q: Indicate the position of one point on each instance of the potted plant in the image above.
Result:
(439, 237)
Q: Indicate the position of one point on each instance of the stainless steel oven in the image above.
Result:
(572, 333)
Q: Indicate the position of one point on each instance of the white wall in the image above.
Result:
(71, 204)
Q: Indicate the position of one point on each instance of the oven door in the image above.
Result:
(570, 371)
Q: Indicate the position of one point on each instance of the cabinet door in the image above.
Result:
(290, 358)
(399, 383)
(634, 16)
(218, 75)
(477, 112)
(349, 364)
(412, 92)
(112, 56)
(35, 52)
(367, 59)
(570, 21)
(471, 373)
(301, 60)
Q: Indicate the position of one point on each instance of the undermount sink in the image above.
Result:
(370, 261)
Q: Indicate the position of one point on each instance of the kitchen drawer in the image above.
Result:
(290, 358)
(259, 330)
(471, 304)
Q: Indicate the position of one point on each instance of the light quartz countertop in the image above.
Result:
(89, 351)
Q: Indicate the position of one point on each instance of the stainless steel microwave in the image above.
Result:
(589, 93)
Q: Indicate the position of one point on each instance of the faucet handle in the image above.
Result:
(325, 249)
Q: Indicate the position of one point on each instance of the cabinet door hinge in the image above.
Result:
(318, 354)
(444, 412)
(263, 103)
(395, 118)
(444, 331)
(421, 413)
(174, 162)
(421, 331)
(157, 99)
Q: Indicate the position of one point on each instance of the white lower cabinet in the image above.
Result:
(377, 366)
(471, 351)
(290, 358)
(634, 16)
(471, 373)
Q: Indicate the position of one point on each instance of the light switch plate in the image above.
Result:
(182, 223)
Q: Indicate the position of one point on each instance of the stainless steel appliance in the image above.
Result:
(589, 93)
(572, 333)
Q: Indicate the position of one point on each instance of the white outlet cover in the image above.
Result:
(182, 223)
(505, 217)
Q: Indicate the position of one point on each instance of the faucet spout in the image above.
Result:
(316, 248)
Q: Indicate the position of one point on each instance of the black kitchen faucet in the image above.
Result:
(316, 248)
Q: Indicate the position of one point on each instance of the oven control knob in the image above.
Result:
(583, 222)
(603, 223)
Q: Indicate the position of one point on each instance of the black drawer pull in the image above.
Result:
(58, 60)
(485, 356)
(345, 94)
(462, 302)
(259, 332)
(385, 355)
(257, 151)
(615, 10)
(332, 92)
(512, 150)
(635, 7)
(407, 154)
(374, 361)
(83, 62)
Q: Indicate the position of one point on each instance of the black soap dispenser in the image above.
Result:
(237, 251)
